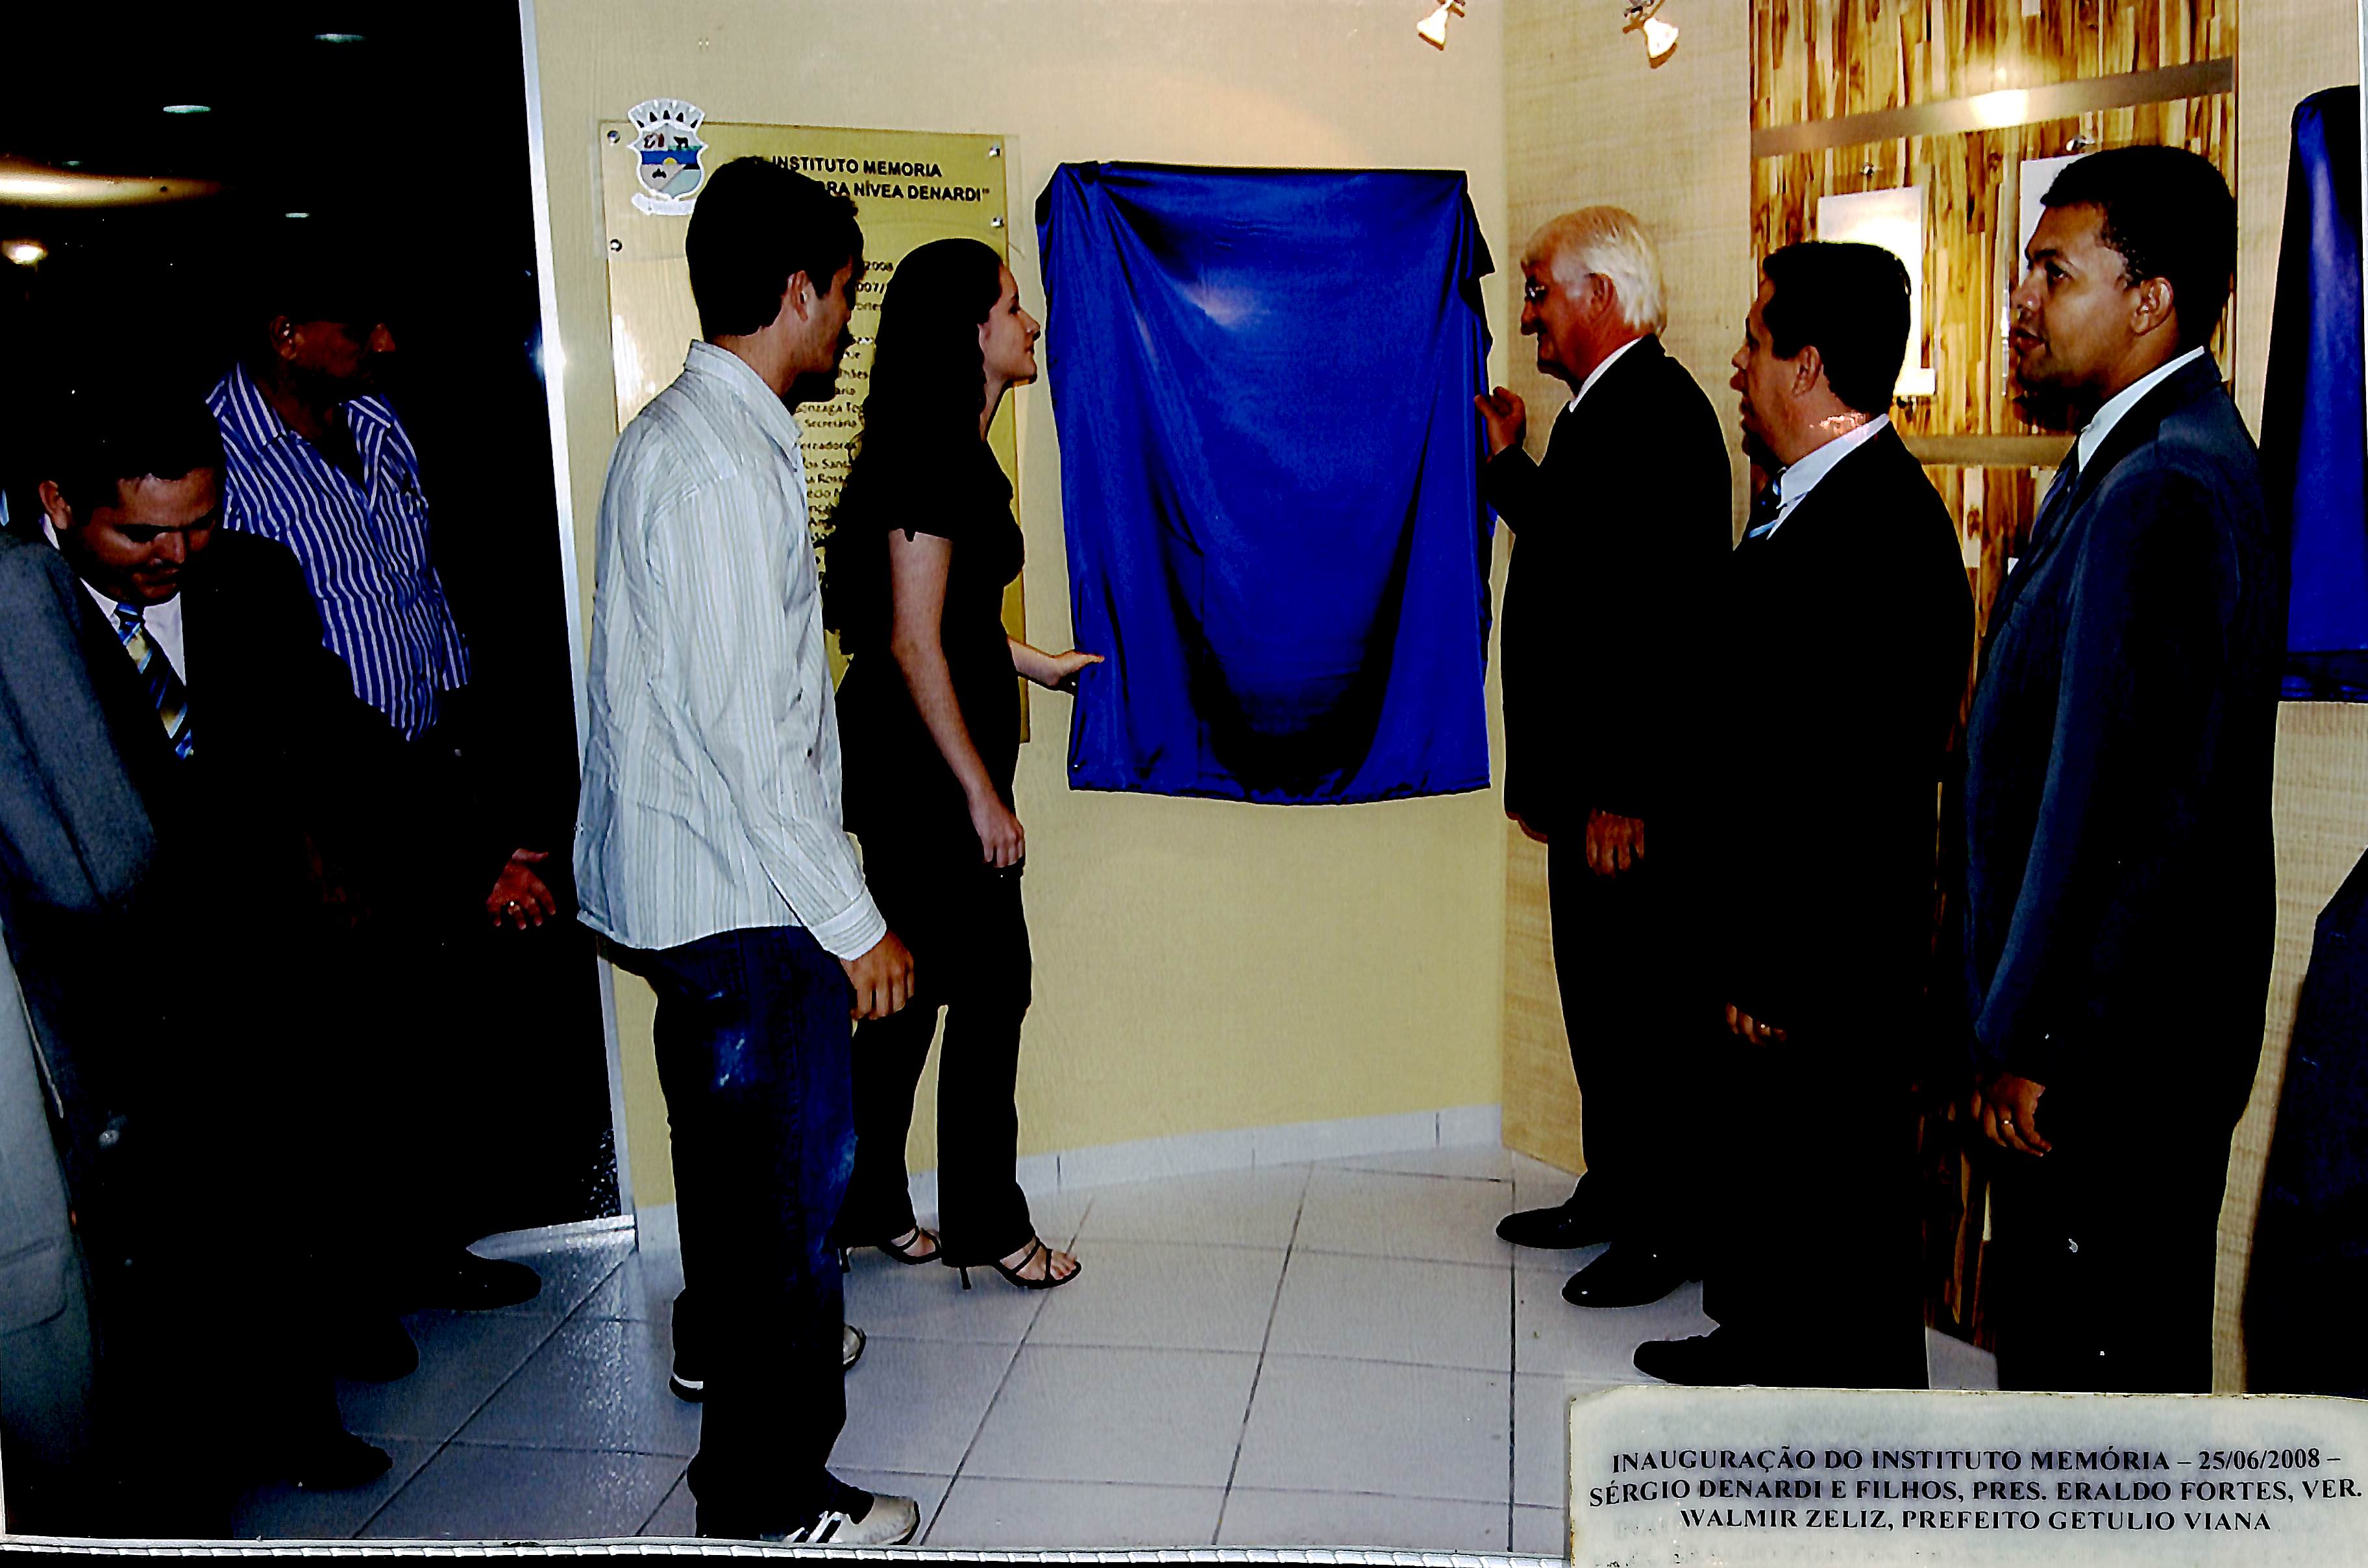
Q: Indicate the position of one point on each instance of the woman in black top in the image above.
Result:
(923, 546)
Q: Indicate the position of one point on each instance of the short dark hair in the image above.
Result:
(1851, 300)
(103, 435)
(323, 268)
(2167, 215)
(756, 223)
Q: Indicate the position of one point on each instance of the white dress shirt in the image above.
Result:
(1792, 486)
(2094, 433)
(711, 797)
(164, 621)
(1597, 374)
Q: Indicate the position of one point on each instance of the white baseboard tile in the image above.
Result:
(1152, 1159)
(1038, 1175)
(1461, 1126)
(1190, 1153)
(1302, 1143)
(659, 1231)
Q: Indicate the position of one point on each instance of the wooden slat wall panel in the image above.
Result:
(1973, 258)
(1818, 59)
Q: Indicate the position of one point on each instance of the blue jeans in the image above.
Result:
(752, 1038)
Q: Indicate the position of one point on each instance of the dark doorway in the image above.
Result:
(406, 123)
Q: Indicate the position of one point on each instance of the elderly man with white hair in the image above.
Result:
(1621, 528)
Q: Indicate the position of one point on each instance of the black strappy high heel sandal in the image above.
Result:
(1036, 1248)
(900, 1248)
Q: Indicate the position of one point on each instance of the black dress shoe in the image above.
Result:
(1707, 1360)
(462, 1280)
(1562, 1227)
(375, 1348)
(1626, 1276)
(333, 1463)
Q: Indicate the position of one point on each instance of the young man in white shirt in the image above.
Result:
(708, 849)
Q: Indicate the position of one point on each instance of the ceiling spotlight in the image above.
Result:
(189, 108)
(1660, 36)
(338, 38)
(25, 252)
(1432, 29)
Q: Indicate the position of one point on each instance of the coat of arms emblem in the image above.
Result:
(666, 136)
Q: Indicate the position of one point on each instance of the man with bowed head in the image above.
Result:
(710, 851)
(2120, 892)
(1842, 642)
(1620, 530)
(193, 783)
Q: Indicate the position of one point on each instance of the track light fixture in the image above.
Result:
(1432, 29)
(1640, 16)
(1660, 36)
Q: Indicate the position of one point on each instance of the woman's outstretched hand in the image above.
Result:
(1001, 840)
(1060, 670)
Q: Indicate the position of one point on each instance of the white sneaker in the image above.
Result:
(888, 1521)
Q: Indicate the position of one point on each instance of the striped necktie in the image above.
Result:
(164, 688)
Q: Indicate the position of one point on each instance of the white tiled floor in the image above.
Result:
(1338, 1354)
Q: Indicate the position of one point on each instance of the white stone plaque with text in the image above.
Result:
(1746, 1477)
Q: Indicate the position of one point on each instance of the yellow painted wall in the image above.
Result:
(1200, 965)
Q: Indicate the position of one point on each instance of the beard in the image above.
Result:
(2049, 407)
(2042, 400)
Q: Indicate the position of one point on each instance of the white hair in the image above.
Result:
(1608, 241)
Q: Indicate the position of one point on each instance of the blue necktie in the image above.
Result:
(2060, 497)
(1764, 507)
(170, 697)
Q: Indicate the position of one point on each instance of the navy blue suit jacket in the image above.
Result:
(2120, 892)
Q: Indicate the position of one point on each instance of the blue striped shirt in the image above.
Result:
(364, 548)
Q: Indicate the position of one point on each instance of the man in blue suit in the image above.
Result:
(2119, 898)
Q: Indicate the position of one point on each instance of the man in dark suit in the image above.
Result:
(166, 884)
(1621, 530)
(2119, 894)
(1841, 653)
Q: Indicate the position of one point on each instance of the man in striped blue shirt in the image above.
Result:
(314, 459)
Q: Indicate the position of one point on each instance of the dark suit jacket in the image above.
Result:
(157, 909)
(1842, 651)
(2120, 898)
(1621, 533)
